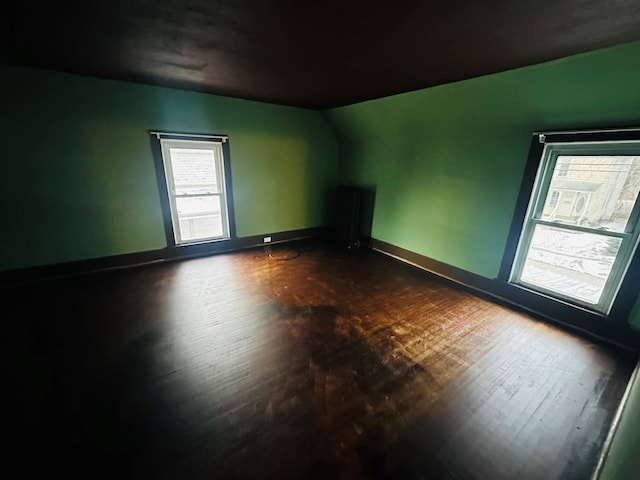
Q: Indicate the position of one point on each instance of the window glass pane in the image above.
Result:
(593, 191)
(194, 171)
(199, 217)
(573, 264)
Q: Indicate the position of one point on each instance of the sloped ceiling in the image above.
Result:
(314, 54)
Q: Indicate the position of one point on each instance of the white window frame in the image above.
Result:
(215, 145)
(629, 237)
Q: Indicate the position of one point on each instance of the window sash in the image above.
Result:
(533, 217)
(220, 191)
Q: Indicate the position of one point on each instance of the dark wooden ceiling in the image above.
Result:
(314, 54)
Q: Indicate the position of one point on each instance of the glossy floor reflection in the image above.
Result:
(306, 363)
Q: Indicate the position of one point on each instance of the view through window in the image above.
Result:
(582, 223)
(195, 178)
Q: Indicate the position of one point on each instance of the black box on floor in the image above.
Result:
(347, 216)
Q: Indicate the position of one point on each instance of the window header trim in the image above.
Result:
(584, 136)
(188, 136)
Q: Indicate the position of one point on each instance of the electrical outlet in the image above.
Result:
(267, 240)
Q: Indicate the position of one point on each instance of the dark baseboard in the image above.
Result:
(129, 260)
(591, 323)
(582, 320)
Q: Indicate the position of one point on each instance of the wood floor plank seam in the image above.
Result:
(332, 365)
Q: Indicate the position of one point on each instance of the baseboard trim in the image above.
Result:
(168, 254)
(581, 320)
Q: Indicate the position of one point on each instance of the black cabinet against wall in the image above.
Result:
(347, 216)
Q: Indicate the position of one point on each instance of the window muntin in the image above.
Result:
(581, 227)
(195, 177)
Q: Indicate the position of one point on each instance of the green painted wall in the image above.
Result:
(444, 164)
(623, 461)
(78, 177)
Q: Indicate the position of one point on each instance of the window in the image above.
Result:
(195, 179)
(581, 226)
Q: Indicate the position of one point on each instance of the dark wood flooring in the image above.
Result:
(306, 363)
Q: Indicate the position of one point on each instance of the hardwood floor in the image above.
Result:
(306, 363)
